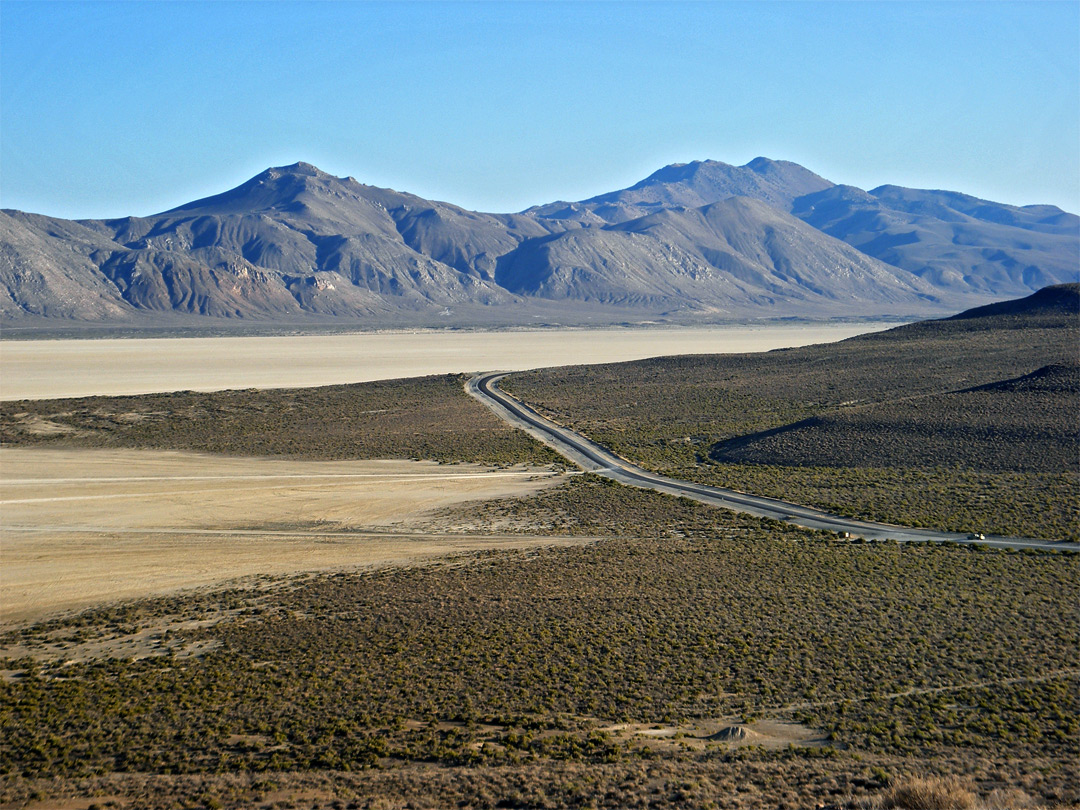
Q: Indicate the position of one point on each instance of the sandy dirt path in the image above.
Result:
(49, 369)
(82, 527)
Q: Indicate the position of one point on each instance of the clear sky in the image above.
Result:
(110, 109)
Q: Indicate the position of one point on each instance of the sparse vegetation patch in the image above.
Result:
(429, 418)
(509, 659)
(947, 424)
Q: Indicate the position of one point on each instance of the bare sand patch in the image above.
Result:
(79, 527)
(699, 735)
(49, 369)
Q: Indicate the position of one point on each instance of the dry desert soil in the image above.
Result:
(82, 527)
(49, 369)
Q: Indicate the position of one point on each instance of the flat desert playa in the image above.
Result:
(51, 369)
(82, 527)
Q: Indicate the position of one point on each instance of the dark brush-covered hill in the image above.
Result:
(1054, 309)
(697, 241)
(1014, 422)
(1023, 424)
(1049, 302)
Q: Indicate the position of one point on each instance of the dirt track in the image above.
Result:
(82, 527)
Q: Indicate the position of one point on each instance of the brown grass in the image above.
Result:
(947, 793)
(930, 793)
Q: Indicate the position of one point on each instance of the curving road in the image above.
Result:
(596, 459)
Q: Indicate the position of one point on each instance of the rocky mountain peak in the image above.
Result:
(272, 189)
(676, 173)
(298, 169)
(763, 165)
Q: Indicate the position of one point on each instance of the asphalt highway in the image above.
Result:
(596, 459)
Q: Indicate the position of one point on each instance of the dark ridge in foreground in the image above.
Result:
(1000, 427)
(1058, 299)
(1061, 378)
(1055, 307)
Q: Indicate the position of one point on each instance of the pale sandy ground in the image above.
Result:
(48, 369)
(702, 734)
(87, 526)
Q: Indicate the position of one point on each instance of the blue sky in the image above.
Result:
(110, 109)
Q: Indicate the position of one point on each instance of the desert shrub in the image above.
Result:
(929, 793)
(428, 417)
(713, 615)
(871, 427)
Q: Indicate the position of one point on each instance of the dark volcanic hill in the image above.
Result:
(997, 428)
(702, 240)
(1015, 423)
(1060, 299)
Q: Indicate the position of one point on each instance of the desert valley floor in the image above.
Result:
(82, 526)
(44, 369)
(283, 593)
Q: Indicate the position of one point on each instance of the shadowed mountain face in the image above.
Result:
(698, 240)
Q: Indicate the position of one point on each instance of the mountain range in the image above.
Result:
(691, 242)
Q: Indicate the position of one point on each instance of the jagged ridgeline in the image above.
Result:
(697, 241)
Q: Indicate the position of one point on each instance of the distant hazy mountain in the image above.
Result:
(291, 243)
(702, 240)
(955, 242)
(691, 185)
(51, 268)
(719, 257)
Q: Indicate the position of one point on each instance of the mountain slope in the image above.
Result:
(955, 242)
(691, 241)
(692, 185)
(323, 236)
(295, 241)
(49, 268)
(731, 254)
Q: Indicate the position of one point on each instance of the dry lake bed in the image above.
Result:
(86, 526)
(50, 369)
